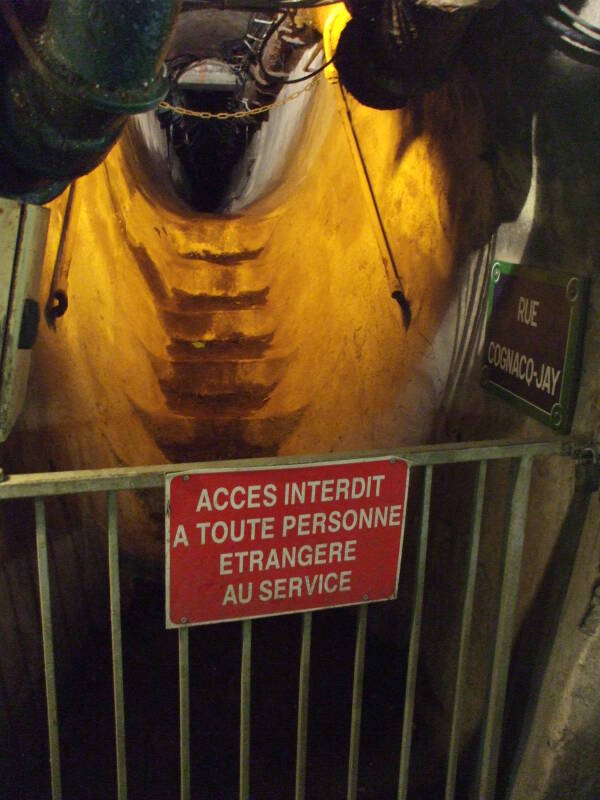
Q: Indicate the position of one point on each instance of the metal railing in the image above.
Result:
(111, 481)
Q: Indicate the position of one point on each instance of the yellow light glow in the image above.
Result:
(193, 336)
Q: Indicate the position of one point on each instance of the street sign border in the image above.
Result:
(560, 417)
(251, 466)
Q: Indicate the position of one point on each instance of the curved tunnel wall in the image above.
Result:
(269, 330)
(204, 337)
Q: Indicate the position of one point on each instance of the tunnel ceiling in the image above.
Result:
(224, 61)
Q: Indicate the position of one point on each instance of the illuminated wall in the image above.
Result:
(193, 337)
(272, 330)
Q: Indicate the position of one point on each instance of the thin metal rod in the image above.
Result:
(415, 639)
(465, 630)
(381, 237)
(56, 305)
(303, 692)
(509, 592)
(121, 478)
(184, 714)
(48, 647)
(254, 5)
(117, 646)
(246, 676)
(357, 695)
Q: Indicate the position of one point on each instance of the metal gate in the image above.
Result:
(113, 481)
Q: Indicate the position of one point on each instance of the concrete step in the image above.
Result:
(183, 437)
(195, 350)
(186, 303)
(210, 326)
(241, 400)
(202, 275)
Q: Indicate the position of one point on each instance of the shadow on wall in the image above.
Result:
(193, 336)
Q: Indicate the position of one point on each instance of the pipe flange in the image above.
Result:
(53, 72)
(118, 101)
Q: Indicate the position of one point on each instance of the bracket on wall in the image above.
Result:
(587, 471)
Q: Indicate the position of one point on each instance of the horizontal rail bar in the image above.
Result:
(45, 484)
(511, 571)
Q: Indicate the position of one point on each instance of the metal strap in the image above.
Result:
(48, 646)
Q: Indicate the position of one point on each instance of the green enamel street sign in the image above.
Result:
(534, 338)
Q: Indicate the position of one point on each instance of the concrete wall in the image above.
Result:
(273, 330)
(542, 109)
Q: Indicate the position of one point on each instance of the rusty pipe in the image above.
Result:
(392, 50)
(70, 84)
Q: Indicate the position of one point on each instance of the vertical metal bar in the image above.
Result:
(246, 676)
(465, 630)
(48, 646)
(184, 714)
(303, 691)
(357, 695)
(117, 647)
(511, 569)
(415, 639)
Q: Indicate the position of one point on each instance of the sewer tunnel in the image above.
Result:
(213, 312)
(294, 289)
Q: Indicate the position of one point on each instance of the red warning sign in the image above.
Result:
(275, 540)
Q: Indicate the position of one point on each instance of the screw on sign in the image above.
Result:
(245, 543)
(534, 338)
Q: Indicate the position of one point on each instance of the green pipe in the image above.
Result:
(70, 85)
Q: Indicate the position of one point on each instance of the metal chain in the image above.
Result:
(251, 112)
